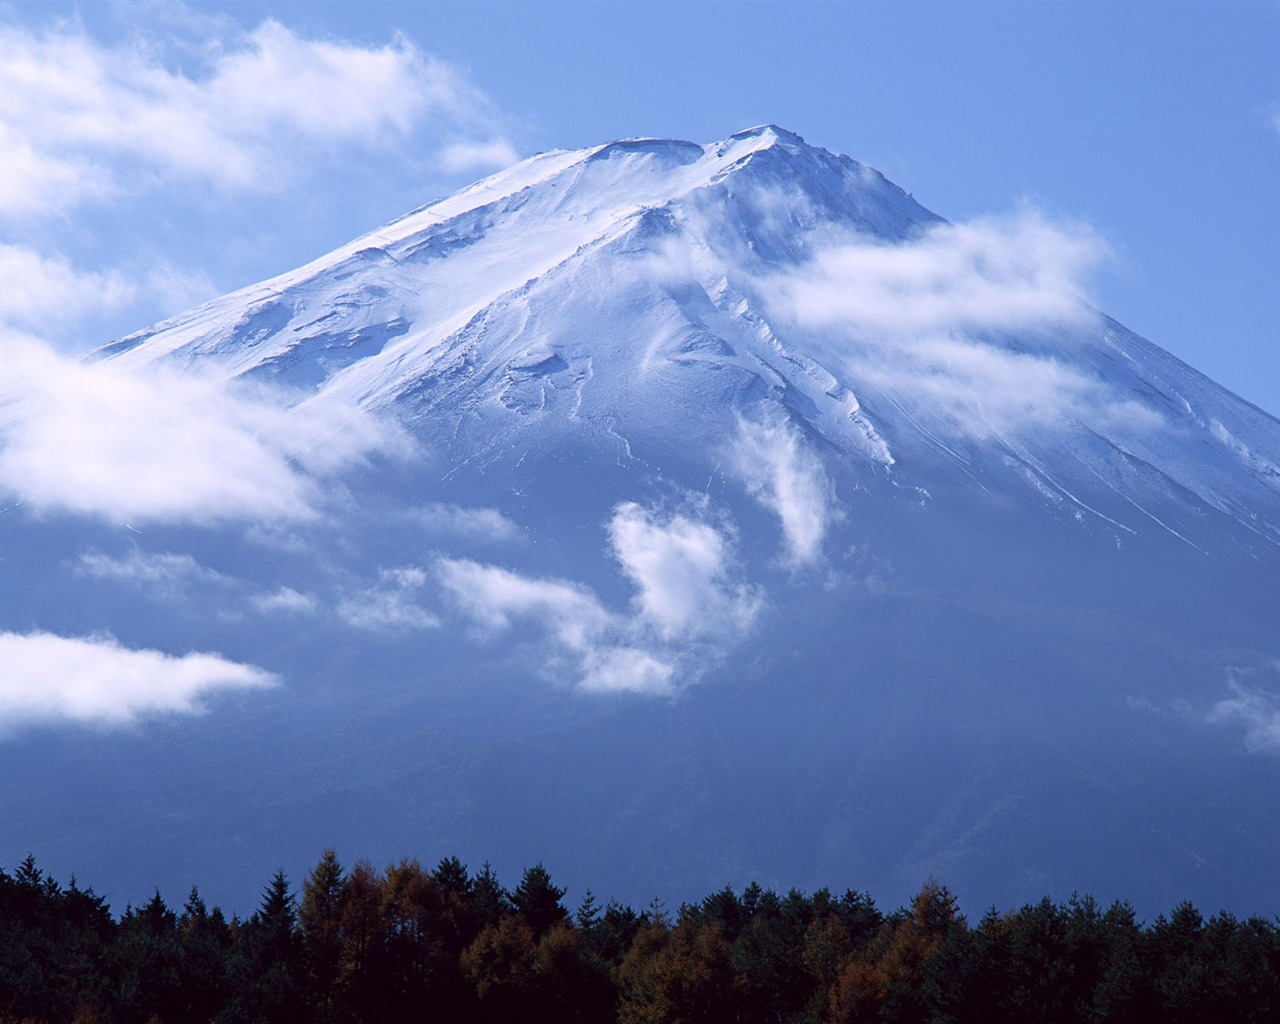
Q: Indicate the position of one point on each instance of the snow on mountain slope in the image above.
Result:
(616, 291)
(972, 579)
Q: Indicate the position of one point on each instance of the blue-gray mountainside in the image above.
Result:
(671, 514)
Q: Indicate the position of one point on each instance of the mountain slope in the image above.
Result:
(733, 517)
(631, 281)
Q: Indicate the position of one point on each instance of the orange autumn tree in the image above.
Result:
(894, 959)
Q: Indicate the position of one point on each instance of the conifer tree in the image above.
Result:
(270, 983)
(489, 900)
(537, 900)
(320, 921)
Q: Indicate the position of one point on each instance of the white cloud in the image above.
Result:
(286, 600)
(495, 597)
(788, 479)
(153, 135)
(1257, 709)
(680, 567)
(392, 605)
(478, 156)
(162, 574)
(43, 290)
(473, 524)
(152, 445)
(596, 643)
(172, 287)
(33, 181)
(687, 609)
(48, 295)
(930, 322)
(626, 670)
(81, 120)
(94, 680)
(983, 389)
(989, 274)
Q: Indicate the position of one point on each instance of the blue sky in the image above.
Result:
(158, 154)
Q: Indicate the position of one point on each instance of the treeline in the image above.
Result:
(408, 944)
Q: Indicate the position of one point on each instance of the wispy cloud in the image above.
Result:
(495, 597)
(284, 600)
(1015, 273)
(183, 125)
(82, 120)
(1255, 708)
(980, 388)
(687, 609)
(42, 290)
(681, 569)
(787, 478)
(161, 574)
(484, 525)
(97, 681)
(151, 445)
(630, 669)
(47, 294)
(392, 605)
(582, 630)
(461, 157)
(930, 321)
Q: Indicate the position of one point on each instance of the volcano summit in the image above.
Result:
(672, 514)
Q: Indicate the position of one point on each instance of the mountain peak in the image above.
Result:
(668, 248)
(769, 131)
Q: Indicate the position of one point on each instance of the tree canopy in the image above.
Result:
(397, 944)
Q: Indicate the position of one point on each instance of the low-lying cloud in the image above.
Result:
(461, 157)
(788, 479)
(1021, 273)
(687, 606)
(392, 605)
(590, 643)
(161, 574)
(284, 600)
(50, 679)
(931, 322)
(680, 567)
(151, 445)
(981, 389)
(495, 597)
(478, 525)
(1256, 709)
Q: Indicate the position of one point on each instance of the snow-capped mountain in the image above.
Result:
(674, 514)
(610, 293)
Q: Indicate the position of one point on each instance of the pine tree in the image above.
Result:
(537, 900)
(270, 982)
(489, 900)
(320, 920)
(149, 959)
(588, 914)
(204, 944)
(451, 875)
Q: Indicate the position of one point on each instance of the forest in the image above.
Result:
(409, 944)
